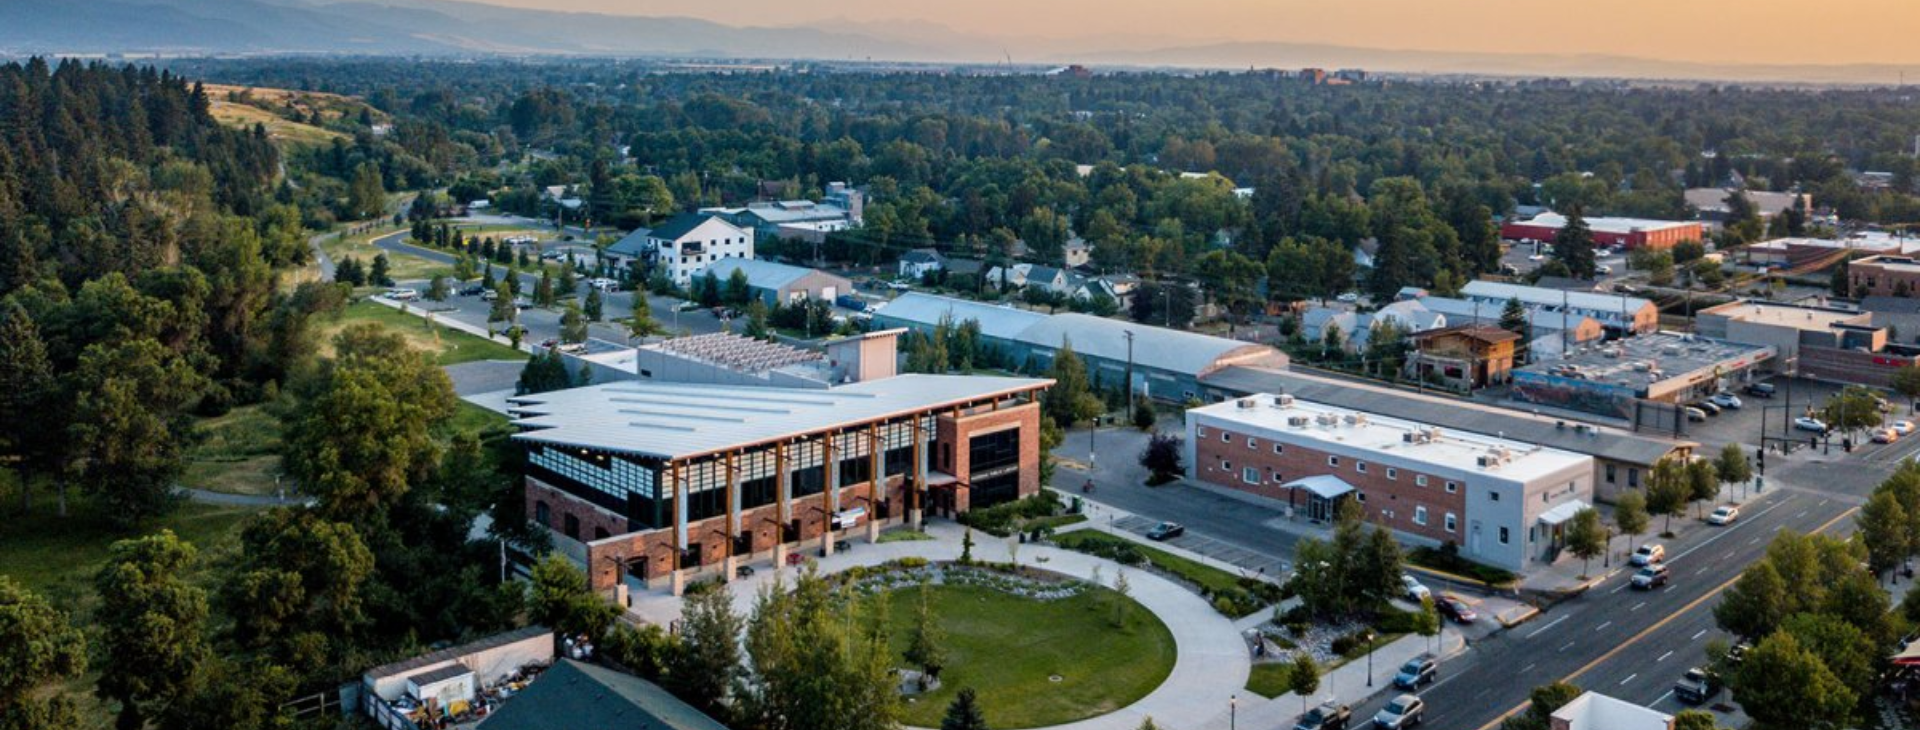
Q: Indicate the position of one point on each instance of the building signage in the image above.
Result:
(849, 519)
(995, 472)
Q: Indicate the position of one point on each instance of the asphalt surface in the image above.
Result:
(543, 323)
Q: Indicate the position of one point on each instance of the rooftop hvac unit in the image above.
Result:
(1298, 421)
(1282, 401)
(1410, 437)
(1487, 461)
(1326, 419)
(1642, 366)
(1245, 403)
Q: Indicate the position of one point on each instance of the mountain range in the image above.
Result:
(467, 29)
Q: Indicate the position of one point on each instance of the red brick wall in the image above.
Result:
(1399, 495)
(1870, 279)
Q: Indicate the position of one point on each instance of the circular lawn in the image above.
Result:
(1035, 662)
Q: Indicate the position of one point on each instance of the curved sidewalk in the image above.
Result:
(1211, 663)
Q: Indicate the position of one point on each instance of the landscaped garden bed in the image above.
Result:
(1232, 595)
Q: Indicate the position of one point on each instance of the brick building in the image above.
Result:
(668, 480)
(1629, 233)
(1503, 502)
(1884, 276)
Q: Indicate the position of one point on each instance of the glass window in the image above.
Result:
(1494, 495)
(1226, 466)
(1419, 515)
(1360, 466)
(1250, 475)
(1252, 443)
(1200, 431)
(1452, 487)
(1609, 473)
(1277, 448)
(1503, 536)
(1225, 437)
(1420, 480)
(1452, 522)
(1392, 473)
(1333, 461)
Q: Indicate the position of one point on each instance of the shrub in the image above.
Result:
(1450, 561)
(1395, 621)
(1343, 644)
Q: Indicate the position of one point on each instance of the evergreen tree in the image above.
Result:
(708, 664)
(595, 309)
(544, 372)
(1573, 245)
(926, 646)
(640, 322)
(573, 326)
(1071, 399)
(738, 289)
(543, 292)
(502, 308)
(379, 275)
(964, 713)
(25, 404)
(437, 289)
(367, 195)
(567, 282)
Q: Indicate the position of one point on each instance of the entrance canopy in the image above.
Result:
(1908, 657)
(1562, 513)
(1325, 486)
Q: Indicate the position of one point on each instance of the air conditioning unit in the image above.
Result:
(1298, 421)
(1433, 434)
(1283, 401)
(1245, 403)
(1410, 437)
(1326, 419)
(1486, 461)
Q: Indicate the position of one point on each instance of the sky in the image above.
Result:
(1707, 31)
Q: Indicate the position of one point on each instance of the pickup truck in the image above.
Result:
(1696, 686)
(1328, 716)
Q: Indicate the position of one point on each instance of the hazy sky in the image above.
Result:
(1736, 31)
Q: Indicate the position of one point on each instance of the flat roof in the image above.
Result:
(1643, 360)
(1890, 263)
(1449, 412)
(681, 420)
(1777, 314)
(1349, 430)
(1607, 224)
(1544, 297)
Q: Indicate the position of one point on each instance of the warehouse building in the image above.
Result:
(1502, 502)
(776, 284)
(1622, 458)
(1166, 364)
(666, 480)
(1627, 233)
(1619, 314)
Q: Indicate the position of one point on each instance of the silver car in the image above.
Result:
(1403, 712)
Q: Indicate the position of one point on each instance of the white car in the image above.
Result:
(1603, 270)
(1901, 427)
(1403, 712)
(1649, 554)
(1349, 297)
(1414, 590)
(604, 284)
(1809, 423)
(1725, 400)
(1537, 257)
(1723, 515)
(402, 295)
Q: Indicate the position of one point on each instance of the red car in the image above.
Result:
(1456, 609)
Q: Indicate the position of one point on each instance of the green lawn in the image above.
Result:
(450, 346)
(903, 536)
(1270, 680)
(1206, 576)
(1006, 648)
(57, 556)
(237, 453)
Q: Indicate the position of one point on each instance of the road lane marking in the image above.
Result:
(1569, 645)
(1800, 514)
(1703, 570)
(1657, 625)
(1529, 667)
(1602, 626)
(1622, 587)
(1629, 678)
(1663, 698)
(1754, 540)
(1696, 637)
(1638, 606)
(1538, 631)
(1663, 657)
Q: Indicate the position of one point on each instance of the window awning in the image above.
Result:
(1562, 513)
(1324, 486)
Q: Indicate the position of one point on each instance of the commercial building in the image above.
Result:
(1629, 233)
(1787, 328)
(1618, 313)
(1548, 331)
(1166, 364)
(1884, 276)
(663, 479)
(840, 209)
(1464, 357)
(777, 284)
(1621, 457)
(1799, 254)
(451, 681)
(1711, 203)
(1618, 378)
(1595, 711)
(685, 244)
(1501, 501)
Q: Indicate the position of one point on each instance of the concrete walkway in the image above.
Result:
(1212, 663)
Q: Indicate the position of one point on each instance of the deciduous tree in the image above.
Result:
(38, 649)
(562, 600)
(152, 621)
(1783, 685)
(1586, 537)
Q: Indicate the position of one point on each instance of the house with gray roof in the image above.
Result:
(776, 283)
(573, 695)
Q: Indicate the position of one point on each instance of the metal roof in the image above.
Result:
(1153, 347)
(1538, 296)
(1461, 311)
(1452, 413)
(573, 695)
(760, 273)
(680, 225)
(1004, 323)
(681, 420)
(1325, 486)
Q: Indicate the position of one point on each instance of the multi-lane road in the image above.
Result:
(1614, 639)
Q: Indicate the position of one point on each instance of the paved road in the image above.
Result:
(544, 323)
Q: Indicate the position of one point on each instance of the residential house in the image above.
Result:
(1618, 313)
(1019, 276)
(917, 263)
(1463, 357)
(775, 283)
(1077, 252)
(1119, 287)
(686, 244)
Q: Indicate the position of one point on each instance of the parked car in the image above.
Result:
(1708, 406)
(402, 294)
(1400, 713)
(1414, 590)
(1723, 515)
(1509, 270)
(522, 303)
(1166, 531)
(1885, 436)
(1650, 577)
(1760, 390)
(1809, 423)
(1696, 415)
(1349, 297)
(1454, 608)
(850, 301)
(1537, 257)
(1901, 427)
(604, 284)
(1649, 554)
(1625, 289)
(1417, 671)
(489, 295)
(1725, 400)
(1697, 686)
(1329, 715)
(472, 290)
(1603, 270)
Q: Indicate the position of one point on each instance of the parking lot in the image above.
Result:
(1247, 560)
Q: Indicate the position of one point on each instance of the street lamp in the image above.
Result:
(1369, 657)
(1233, 711)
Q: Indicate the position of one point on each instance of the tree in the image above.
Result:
(1573, 245)
(299, 591)
(1887, 531)
(1545, 700)
(1586, 538)
(367, 195)
(26, 440)
(437, 289)
(560, 599)
(595, 308)
(1427, 621)
(38, 649)
(152, 622)
(757, 321)
(1694, 720)
(362, 432)
(1784, 686)
(129, 420)
(1846, 650)
(1906, 381)
(1144, 415)
(706, 289)
(640, 322)
(502, 308)
(1852, 409)
(1304, 678)
(543, 292)
(573, 326)
(1703, 482)
(463, 268)
(566, 283)
(925, 648)
(1630, 515)
(964, 713)
(1513, 318)
(818, 662)
(739, 290)
(709, 661)
(1732, 466)
(381, 273)
(544, 372)
(1071, 399)
(1164, 458)
(1668, 490)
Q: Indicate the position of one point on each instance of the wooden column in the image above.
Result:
(876, 483)
(677, 477)
(783, 489)
(917, 490)
(831, 468)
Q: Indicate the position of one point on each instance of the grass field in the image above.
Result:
(278, 128)
(1007, 649)
(237, 453)
(400, 266)
(1270, 680)
(56, 557)
(1206, 576)
(449, 346)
